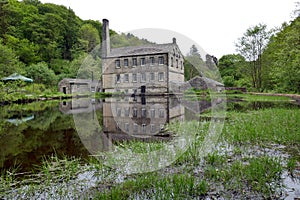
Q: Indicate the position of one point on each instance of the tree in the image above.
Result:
(193, 64)
(9, 62)
(24, 49)
(282, 55)
(297, 10)
(41, 73)
(89, 36)
(71, 38)
(251, 45)
(230, 67)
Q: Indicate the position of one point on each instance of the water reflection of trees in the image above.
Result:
(27, 143)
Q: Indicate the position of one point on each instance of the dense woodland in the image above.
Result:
(48, 42)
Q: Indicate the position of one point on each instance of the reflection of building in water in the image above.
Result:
(123, 119)
(80, 105)
(140, 116)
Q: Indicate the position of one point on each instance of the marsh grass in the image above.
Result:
(153, 186)
(291, 165)
(277, 125)
(63, 169)
(258, 174)
(44, 180)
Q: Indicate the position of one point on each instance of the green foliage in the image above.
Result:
(128, 39)
(40, 73)
(251, 45)
(9, 62)
(231, 68)
(193, 64)
(52, 37)
(24, 49)
(272, 64)
(283, 59)
(89, 37)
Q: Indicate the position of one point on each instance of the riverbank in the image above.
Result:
(23, 98)
(293, 96)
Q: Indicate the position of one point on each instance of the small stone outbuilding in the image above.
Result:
(80, 86)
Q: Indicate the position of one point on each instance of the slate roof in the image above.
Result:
(142, 50)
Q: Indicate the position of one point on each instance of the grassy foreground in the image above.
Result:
(255, 149)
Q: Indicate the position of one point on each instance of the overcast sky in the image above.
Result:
(215, 25)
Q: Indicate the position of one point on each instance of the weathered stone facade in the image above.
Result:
(140, 69)
(79, 86)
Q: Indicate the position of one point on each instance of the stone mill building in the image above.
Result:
(148, 69)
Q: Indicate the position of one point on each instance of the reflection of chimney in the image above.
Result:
(105, 38)
(174, 40)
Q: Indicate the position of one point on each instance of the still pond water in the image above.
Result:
(31, 132)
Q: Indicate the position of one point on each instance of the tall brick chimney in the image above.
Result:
(105, 45)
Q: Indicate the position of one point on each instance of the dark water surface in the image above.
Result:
(31, 132)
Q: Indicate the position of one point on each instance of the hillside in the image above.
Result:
(48, 42)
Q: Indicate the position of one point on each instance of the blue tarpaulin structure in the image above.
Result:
(16, 76)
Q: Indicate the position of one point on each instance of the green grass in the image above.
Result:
(261, 98)
(276, 125)
(258, 175)
(154, 186)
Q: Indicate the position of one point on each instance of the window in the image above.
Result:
(152, 128)
(176, 63)
(172, 65)
(92, 89)
(161, 113)
(160, 76)
(181, 65)
(143, 61)
(126, 78)
(125, 62)
(152, 76)
(134, 78)
(152, 60)
(144, 128)
(119, 112)
(118, 64)
(135, 127)
(134, 62)
(127, 112)
(152, 113)
(144, 112)
(118, 78)
(134, 112)
(143, 77)
(127, 127)
(160, 60)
